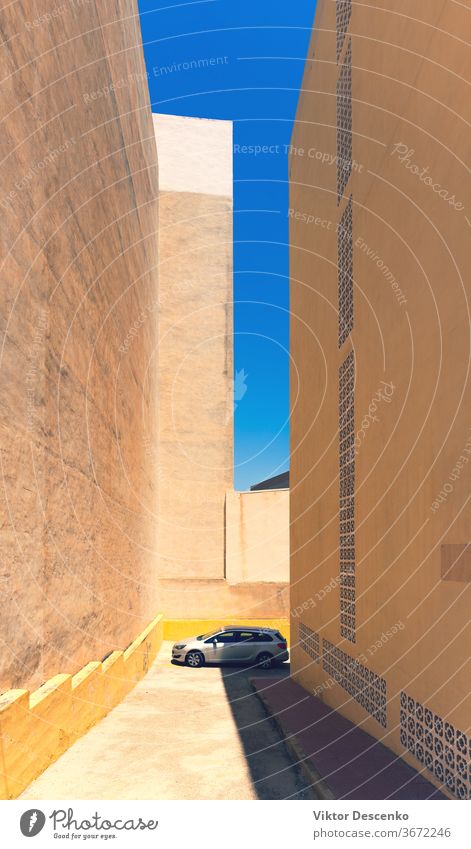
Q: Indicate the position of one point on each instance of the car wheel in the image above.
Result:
(194, 659)
(264, 660)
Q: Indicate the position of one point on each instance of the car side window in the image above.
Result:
(216, 637)
(254, 637)
(228, 637)
(246, 636)
(225, 637)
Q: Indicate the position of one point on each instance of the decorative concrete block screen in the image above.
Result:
(438, 745)
(309, 641)
(367, 688)
(343, 14)
(344, 123)
(345, 272)
(347, 497)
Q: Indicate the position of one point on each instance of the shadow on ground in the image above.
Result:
(273, 772)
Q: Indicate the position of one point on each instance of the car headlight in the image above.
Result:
(180, 646)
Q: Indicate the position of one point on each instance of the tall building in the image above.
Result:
(78, 365)
(221, 552)
(380, 227)
(195, 342)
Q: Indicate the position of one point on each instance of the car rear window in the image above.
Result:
(255, 637)
(264, 638)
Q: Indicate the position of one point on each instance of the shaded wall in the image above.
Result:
(78, 358)
(380, 574)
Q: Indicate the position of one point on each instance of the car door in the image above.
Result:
(245, 647)
(264, 644)
(221, 648)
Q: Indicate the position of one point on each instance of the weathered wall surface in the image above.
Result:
(78, 194)
(405, 607)
(257, 536)
(196, 343)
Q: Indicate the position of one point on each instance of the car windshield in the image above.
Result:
(205, 636)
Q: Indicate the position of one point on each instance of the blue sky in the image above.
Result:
(258, 48)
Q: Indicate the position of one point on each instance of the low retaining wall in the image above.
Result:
(36, 728)
(177, 629)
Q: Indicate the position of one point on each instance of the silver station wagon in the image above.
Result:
(260, 647)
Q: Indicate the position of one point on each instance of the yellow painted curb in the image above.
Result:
(36, 728)
(177, 629)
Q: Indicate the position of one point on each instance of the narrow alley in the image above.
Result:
(180, 734)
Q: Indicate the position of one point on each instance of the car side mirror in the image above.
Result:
(215, 642)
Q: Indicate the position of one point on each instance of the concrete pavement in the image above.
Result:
(341, 758)
(180, 734)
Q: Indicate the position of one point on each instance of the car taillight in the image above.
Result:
(281, 645)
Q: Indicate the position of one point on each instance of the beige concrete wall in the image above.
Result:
(207, 598)
(206, 567)
(78, 367)
(195, 344)
(257, 536)
(410, 71)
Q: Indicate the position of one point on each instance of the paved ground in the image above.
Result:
(349, 762)
(180, 734)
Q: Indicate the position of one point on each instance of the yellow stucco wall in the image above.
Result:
(410, 337)
(177, 629)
